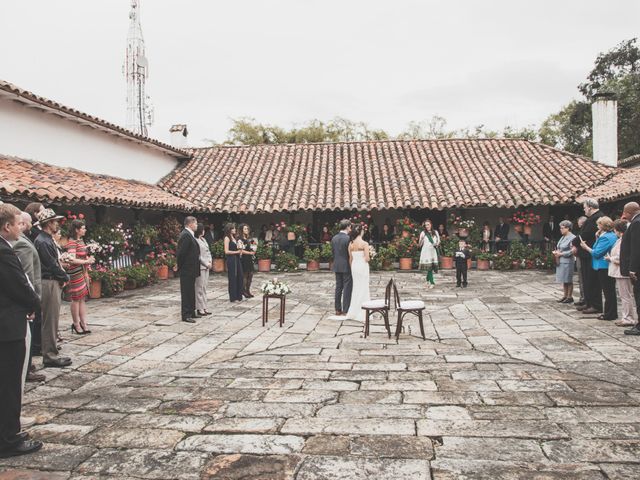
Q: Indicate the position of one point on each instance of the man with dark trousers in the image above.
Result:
(501, 235)
(18, 302)
(461, 256)
(342, 267)
(630, 254)
(551, 233)
(188, 267)
(592, 287)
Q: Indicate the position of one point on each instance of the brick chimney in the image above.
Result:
(179, 136)
(604, 111)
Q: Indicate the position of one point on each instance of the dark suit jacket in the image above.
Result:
(340, 248)
(588, 233)
(501, 232)
(630, 248)
(188, 255)
(551, 233)
(17, 298)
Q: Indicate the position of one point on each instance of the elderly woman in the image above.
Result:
(605, 241)
(205, 267)
(625, 288)
(565, 261)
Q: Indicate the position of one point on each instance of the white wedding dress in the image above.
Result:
(360, 290)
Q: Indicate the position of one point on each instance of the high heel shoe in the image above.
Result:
(79, 332)
(85, 331)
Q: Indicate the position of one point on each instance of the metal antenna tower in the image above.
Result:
(136, 71)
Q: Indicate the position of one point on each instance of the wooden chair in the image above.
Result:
(414, 307)
(381, 306)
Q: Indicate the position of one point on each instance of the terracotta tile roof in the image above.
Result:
(623, 185)
(629, 162)
(28, 180)
(434, 174)
(26, 96)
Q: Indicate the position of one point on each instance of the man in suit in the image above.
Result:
(501, 235)
(575, 248)
(630, 254)
(188, 267)
(551, 232)
(342, 268)
(28, 255)
(592, 287)
(18, 301)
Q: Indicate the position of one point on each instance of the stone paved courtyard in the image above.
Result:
(508, 384)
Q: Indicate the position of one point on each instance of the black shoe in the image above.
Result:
(562, 300)
(458, 285)
(23, 436)
(36, 353)
(464, 285)
(189, 320)
(57, 362)
(579, 303)
(197, 315)
(24, 447)
(567, 300)
(632, 331)
(206, 313)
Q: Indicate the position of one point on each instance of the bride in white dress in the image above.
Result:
(359, 259)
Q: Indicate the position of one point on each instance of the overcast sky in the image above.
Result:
(384, 62)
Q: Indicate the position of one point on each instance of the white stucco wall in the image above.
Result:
(32, 134)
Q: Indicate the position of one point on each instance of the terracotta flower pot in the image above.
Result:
(517, 227)
(527, 229)
(95, 289)
(406, 263)
(218, 265)
(264, 265)
(515, 264)
(313, 266)
(405, 234)
(482, 264)
(446, 263)
(468, 264)
(163, 272)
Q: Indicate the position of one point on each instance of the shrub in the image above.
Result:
(502, 261)
(449, 246)
(286, 262)
(326, 252)
(143, 234)
(406, 247)
(113, 283)
(312, 254)
(217, 249)
(264, 251)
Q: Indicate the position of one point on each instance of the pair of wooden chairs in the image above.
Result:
(402, 307)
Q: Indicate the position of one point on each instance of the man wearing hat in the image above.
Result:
(53, 279)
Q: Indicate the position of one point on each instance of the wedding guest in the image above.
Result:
(625, 288)
(374, 231)
(486, 237)
(30, 261)
(311, 234)
(32, 209)
(591, 282)
(247, 245)
(18, 302)
(386, 235)
(205, 266)
(605, 241)
(565, 261)
(429, 241)
(269, 234)
(342, 267)
(325, 236)
(575, 249)
(501, 235)
(234, 265)
(630, 255)
(442, 231)
(209, 234)
(53, 280)
(78, 286)
(460, 257)
(263, 233)
(551, 231)
(188, 267)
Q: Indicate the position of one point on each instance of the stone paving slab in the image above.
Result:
(509, 384)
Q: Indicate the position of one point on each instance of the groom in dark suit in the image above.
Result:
(342, 268)
(188, 263)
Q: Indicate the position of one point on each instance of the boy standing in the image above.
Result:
(460, 257)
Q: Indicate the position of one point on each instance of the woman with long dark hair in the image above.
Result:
(234, 266)
(429, 243)
(246, 244)
(78, 286)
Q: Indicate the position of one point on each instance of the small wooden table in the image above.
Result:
(265, 308)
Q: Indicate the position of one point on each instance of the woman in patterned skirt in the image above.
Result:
(78, 287)
(429, 242)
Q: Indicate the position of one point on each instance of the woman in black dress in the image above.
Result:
(247, 245)
(234, 266)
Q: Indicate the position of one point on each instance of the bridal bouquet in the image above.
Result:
(372, 251)
(275, 287)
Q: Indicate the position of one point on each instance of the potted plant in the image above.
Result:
(286, 262)
(312, 256)
(386, 256)
(326, 254)
(160, 263)
(263, 254)
(171, 262)
(502, 261)
(113, 282)
(406, 247)
(449, 247)
(406, 227)
(217, 253)
(96, 274)
(483, 260)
